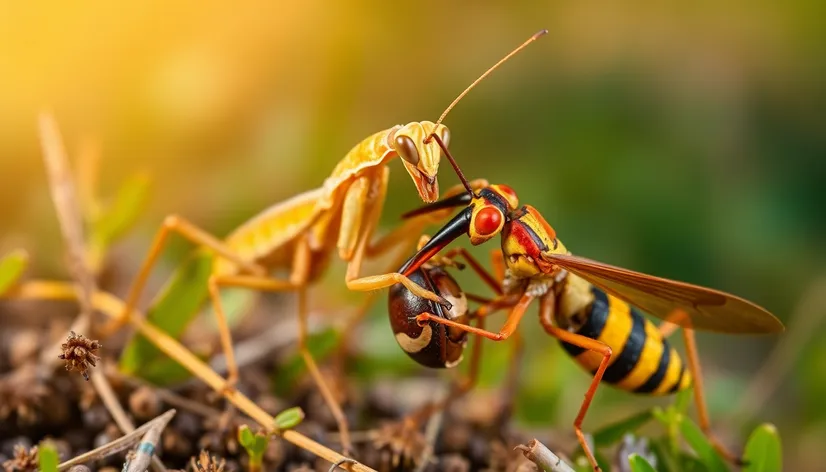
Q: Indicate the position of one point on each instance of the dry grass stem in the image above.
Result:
(112, 306)
(63, 193)
(546, 460)
(118, 445)
(110, 401)
(434, 425)
(144, 455)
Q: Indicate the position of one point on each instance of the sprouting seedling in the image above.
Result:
(255, 444)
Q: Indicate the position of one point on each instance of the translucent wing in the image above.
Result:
(702, 308)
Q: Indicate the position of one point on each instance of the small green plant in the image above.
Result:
(763, 450)
(47, 457)
(289, 418)
(639, 464)
(255, 445)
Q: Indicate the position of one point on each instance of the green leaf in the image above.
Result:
(122, 213)
(171, 312)
(254, 443)
(11, 268)
(613, 433)
(699, 443)
(763, 451)
(166, 371)
(683, 400)
(289, 418)
(245, 437)
(47, 457)
(666, 458)
(639, 464)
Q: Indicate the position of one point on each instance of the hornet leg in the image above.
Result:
(546, 317)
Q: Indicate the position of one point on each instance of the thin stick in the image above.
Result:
(63, 194)
(118, 445)
(110, 401)
(113, 306)
(434, 425)
(66, 205)
(487, 72)
(145, 452)
(546, 460)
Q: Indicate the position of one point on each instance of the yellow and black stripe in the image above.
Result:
(642, 362)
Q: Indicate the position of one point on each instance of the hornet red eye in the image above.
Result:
(487, 221)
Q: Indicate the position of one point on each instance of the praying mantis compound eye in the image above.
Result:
(406, 149)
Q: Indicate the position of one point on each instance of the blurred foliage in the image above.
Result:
(176, 306)
(763, 450)
(47, 457)
(683, 140)
(12, 266)
(111, 221)
(639, 464)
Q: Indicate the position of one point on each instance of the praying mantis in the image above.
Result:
(301, 233)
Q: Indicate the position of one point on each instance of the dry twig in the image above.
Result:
(63, 193)
(144, 454)
(118, 445)
(546, 460)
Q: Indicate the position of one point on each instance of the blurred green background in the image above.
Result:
(685, 141)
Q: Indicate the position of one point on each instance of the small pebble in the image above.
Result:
(63, 448)
(176, 444)
(479, 450)
(276, 453)
(144, 403)
(80, 468)
(187, 423)
(78, 439)
(96, 418)
(454, 463)
(456, 438)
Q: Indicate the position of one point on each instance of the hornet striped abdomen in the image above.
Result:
(642, 360)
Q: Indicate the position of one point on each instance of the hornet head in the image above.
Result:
(485, 215)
